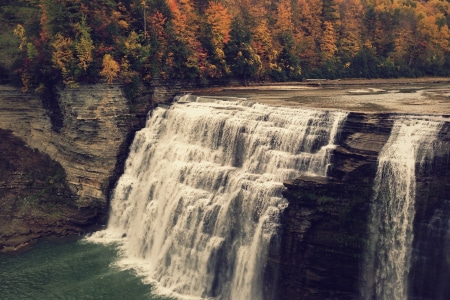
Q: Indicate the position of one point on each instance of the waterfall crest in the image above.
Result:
(388, 255)
(199, 202)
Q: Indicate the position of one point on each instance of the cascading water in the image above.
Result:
(200, 198)
(388, 255)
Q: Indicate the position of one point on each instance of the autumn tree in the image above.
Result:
(329, 11)
(110, 68)
(135, 49)
(63, 58)
(283, 16)
(217, 27)
(287, 67)
(328, 41)
(308, 28)
(104, 18)
(403, 35)
(219, 19)
(20, 32)
(262, 42)
(184, 21)
(159, 41)
(59, 16)
(352, 23)
(252, 26)
(287, 61)
(380, 23)
(24, 44)
(432, 37)
(247, 39)
(24, 72)
(185, 27)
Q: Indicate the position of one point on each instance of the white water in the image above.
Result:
(200, 198)
(388, 257)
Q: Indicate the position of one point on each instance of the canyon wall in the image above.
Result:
(58, 165)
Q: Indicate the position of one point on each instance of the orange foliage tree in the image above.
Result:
(352, 23)
(218, 20)
(328, 41)
(239, 38)
(185, 27)
(309, 31)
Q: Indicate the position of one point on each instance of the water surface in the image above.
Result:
(74, 270)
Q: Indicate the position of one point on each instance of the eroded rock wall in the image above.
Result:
(325, 224)
(89, 146)
(94, 125)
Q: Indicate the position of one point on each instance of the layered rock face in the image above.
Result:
(94, 127)
(325, 225)
(430, 271)
(88, 148)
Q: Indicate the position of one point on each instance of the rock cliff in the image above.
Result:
(325, 225)
(86, 151)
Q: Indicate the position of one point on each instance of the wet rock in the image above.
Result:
(324, 227)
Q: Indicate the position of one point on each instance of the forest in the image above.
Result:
(68, 42)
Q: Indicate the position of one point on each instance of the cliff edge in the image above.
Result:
(56, 181)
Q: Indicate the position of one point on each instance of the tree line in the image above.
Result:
(75, 41)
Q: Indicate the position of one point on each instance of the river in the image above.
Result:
(74, 270)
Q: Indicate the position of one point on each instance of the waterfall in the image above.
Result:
(388, 255)
(200, 198)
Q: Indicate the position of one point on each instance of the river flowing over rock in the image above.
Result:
(388, 255)
(200, 210)
(224, 198)
(378, 228)
(199, 203)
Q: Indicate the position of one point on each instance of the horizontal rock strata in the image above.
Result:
(93, 136)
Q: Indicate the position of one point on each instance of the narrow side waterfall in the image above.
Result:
(200, 198)
(388, 256)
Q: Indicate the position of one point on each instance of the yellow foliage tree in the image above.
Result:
(20, 32)
(328, 42)
(110, 68)
(262, 43)
(62, 57)
(133, 46)
(184, 21)
(185, 24)
(308, 30)
(284, 17)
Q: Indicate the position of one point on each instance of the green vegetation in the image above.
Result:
(76, 41)
(11, 14)
(47, 192)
